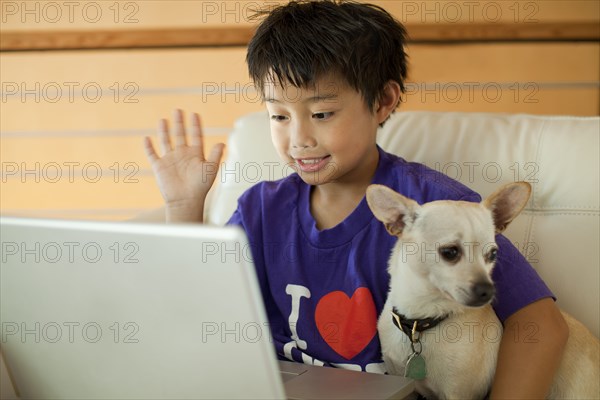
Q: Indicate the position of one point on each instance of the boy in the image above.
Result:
(330, 73)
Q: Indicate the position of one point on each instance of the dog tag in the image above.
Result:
(415, 367)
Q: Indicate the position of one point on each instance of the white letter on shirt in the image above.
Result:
(297, 292)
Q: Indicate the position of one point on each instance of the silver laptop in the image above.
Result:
(97, 310)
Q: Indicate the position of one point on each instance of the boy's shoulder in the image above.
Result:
(267, 198)
(420, 182)
(275, 190)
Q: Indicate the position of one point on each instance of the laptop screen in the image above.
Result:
(122, 310)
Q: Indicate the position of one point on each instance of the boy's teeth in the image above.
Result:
(310, 161)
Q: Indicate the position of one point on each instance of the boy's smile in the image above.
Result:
(313, 164)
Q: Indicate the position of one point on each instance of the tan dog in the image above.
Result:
(441, 285)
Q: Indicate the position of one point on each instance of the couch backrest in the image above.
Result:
(558, 232)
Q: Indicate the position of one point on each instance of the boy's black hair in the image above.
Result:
(305, 40)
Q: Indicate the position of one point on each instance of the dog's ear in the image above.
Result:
(507, 202)
(391, 208)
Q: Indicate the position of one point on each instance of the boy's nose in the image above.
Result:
(302, 136)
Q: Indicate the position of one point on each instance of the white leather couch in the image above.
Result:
(559, 231)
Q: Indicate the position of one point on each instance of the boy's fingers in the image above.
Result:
(197, 136)
(163, 136)
(216, 153)
(179, 133)
(178, 127)
(149, 150)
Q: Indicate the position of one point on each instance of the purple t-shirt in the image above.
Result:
(323, 290)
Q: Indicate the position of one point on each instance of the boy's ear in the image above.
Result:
(391, 208)
(388, 101)
(507, 202)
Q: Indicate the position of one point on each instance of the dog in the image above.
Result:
(437, 325)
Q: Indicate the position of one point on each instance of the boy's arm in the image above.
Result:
(530, 352)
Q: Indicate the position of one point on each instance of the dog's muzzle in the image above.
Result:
(481, 294)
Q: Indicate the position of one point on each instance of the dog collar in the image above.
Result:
(409, 326)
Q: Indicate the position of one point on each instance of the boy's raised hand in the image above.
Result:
(183, 174)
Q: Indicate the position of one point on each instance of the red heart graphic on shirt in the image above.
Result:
(347, 324)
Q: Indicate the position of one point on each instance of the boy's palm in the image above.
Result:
(183, 174)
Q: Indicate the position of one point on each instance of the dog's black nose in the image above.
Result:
(482, 293)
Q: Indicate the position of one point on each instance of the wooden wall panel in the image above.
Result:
(37, 127)
(74, 132)
(49, 25)
(536, 78)
(150, 83)
(78, 177)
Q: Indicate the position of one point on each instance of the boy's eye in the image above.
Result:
(322, 115)
(278, 118)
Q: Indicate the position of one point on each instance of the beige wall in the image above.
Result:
(54, 117)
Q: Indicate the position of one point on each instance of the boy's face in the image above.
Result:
(326, 132)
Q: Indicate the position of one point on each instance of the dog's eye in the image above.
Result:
(492, 255)
(450, 254)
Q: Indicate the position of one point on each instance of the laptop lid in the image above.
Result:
(122, 310)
